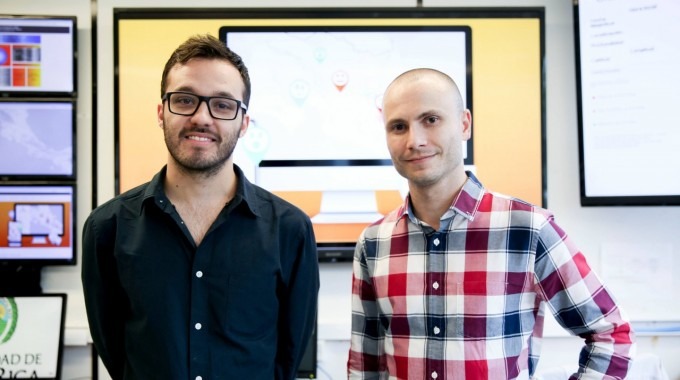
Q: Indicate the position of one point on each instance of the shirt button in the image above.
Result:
(434, 375)
(436, 330)
(199, 274)
(435, 285)
(198, 326)
(436, 242)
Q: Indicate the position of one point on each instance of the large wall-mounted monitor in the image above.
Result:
(37, 138)
(37, 224)
(336, 63)
(38, 55)
(628, 87)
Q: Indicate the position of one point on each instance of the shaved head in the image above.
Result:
(426, 74)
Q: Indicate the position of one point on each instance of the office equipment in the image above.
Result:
(307, 368)
(38, 138)
(37, 224)
(38, 55)
(327, 84)
(627, 95)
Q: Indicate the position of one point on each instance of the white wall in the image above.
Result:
(589, 227)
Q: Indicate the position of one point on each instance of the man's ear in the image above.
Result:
(245, 122)
(160, 116)
(466, 123)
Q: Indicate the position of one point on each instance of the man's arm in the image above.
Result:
(365, 353)
(298, 317)
(103, 297)
(583, 306)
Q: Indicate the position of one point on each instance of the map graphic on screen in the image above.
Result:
(36, 138)
(327, 87)
(316, 108)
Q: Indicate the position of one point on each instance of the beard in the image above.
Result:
(197, 162)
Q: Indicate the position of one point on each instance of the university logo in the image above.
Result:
(8, 318)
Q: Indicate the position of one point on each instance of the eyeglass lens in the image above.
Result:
(187, 104)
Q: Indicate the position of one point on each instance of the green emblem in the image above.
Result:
(9, 313)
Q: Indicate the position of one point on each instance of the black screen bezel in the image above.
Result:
(612, 200)
(73, 130)
(41, 262)
(74, 54)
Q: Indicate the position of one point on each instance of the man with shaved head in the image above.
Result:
(455, 283)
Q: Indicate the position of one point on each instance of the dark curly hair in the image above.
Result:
(209, 47)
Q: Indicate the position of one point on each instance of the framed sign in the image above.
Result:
(31, 336)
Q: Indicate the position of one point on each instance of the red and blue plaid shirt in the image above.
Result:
(468, 301)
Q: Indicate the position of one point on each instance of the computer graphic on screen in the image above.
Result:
(36, 223)
(317, 93)
(37, 54)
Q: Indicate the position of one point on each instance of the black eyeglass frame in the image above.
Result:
(206, 99)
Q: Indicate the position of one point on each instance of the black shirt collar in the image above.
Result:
(245, 192)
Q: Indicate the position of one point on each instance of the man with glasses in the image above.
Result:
(199, 274)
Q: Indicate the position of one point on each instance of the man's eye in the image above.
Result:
(184, 100)
(432, 119)
(398, 127)
(225, 104)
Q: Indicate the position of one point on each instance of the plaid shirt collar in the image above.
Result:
(466, 202)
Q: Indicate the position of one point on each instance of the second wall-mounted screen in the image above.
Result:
(316, 115)
(37, 138)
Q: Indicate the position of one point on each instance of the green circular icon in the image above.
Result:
(9, 313)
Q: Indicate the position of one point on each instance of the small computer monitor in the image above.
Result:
(37, 137)
(307, 367)
(36, 224)
(38, 55)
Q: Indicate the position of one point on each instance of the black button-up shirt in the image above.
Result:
(241, 305)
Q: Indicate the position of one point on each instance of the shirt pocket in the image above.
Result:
(252, 305)
(137, 274)
(489, 309)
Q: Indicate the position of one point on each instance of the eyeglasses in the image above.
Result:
(220, 107)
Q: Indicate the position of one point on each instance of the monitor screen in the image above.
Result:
(31, 336)
(316, 135)
(37, 138)
(628, 83)
(37, 55)
(36, 224)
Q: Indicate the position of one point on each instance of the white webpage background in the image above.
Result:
(631, 91)
(317, 96)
